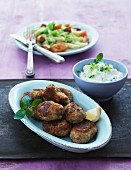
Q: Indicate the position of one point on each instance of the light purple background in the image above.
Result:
(112, 20)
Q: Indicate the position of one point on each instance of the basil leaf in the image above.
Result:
(36, 102)
(20, 114)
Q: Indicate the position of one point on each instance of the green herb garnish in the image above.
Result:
(26, 104)
(98, 58)
(93, 66)
(91, 76)
(102, 69)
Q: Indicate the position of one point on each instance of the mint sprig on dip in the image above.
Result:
(26, 104)
(98, 58)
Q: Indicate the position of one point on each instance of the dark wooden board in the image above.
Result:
(18, 142)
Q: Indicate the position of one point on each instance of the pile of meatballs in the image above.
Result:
(60, 115)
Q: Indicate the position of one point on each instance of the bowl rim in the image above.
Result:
(104, 59)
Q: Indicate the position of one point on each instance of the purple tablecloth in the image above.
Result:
(111, 19)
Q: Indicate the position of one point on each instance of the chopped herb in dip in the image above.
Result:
(100, 71)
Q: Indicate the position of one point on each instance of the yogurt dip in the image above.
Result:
(100, 72)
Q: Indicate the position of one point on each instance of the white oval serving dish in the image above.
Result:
(104, 125)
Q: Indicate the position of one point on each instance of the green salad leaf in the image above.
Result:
(50, 40)
(46, 31)
(51, 26)
(54, 33)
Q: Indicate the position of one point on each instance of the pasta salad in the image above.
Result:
(60, 37)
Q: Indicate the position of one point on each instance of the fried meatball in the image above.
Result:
(73, 113)
(53, 93)
(58, 128)
(49, 110)
(37, 93)
(67, 93)
(83, 132)
(34, 113)
(25, 94)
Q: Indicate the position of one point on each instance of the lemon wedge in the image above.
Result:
(94, 114)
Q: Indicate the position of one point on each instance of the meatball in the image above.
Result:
(36, 94)
(53, 93)
(73, 113)
(34, 113)
(49, 110)
(83, 132)
(27, 94)
(67, 93)
(58, 128)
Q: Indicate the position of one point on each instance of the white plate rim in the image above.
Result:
(79, 148)
(94, 36)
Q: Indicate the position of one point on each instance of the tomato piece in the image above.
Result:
(58, 47)
(59, 26)
(83, 34)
